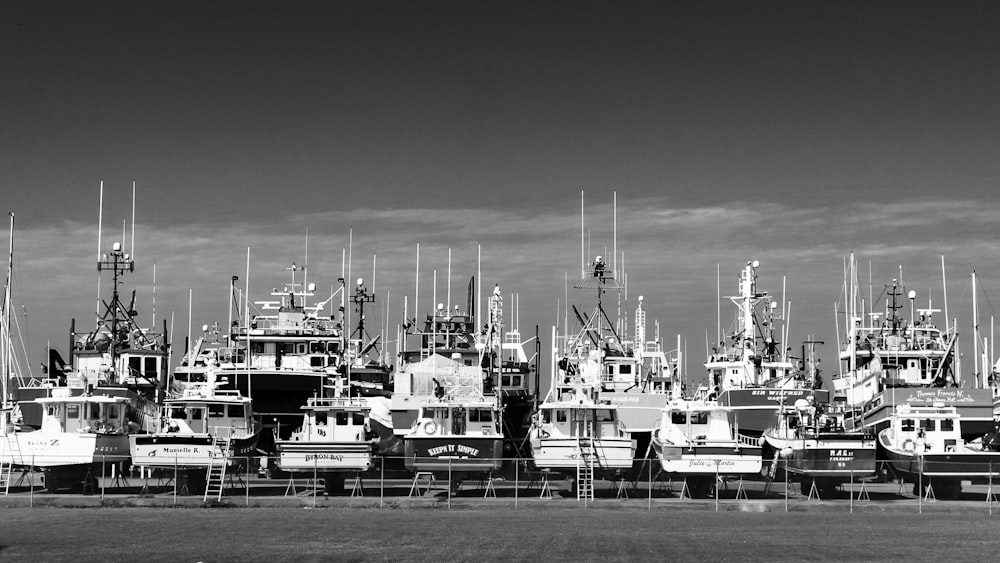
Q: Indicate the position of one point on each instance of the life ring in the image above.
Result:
(487, 431)
(909, 445)
(430, 427)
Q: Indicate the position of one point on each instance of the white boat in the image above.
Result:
(891, 358)
(80, 436)
(696, 440)
(335, 436)
(203, 428)
(924, 445)
(750, 371)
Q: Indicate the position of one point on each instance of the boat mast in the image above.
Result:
(7, 355)
(975, 334)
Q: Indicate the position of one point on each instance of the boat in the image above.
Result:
(695, 439)
(749, 371)
(574, 432)
(811, 444)
(335, 438)
(205, 427)
(889, 360)
(496, 352)
(458, 431)
(632, 373)
(279, 357)
(81, 436)
(924, 445)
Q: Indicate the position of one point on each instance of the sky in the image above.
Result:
(792, 133)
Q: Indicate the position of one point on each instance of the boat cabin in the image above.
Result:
(699, 424)
(221, 413)
(84, 414)
(931, 429)
(451, 419)
(575, 421)
(334, 420)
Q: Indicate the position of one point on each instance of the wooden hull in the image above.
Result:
(563, 454)
(48, 450)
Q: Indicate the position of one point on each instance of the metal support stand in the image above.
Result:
(863, 492)
(291, 487)
(685, 490)
(490, 490)
(358, 489)
(741, 492)
(813, 491)
(546, 490)
(426, 478)
(623, 489)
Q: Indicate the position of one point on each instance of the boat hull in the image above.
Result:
(563, 454)
(459, 453)
(702, 460)
(169, 450)
(814, 458)
(324, 456)
(752, 410)
(48, 450)
(967, 464)
(974, 406)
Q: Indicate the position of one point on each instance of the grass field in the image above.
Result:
(297, 534)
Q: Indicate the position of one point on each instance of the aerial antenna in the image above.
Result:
(305, 272)
(479, 285)
(448, 300)
(100, 223)
(153, 322)
(944, 286)
(416, 291)
(132, 244)
(614, 238)
(246, 321)
(583, 259)
(718, 303)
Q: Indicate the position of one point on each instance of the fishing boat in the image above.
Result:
(695, 439)
(574, 432)
(496, 352)
(279, 354)
(750, 372)
(810, 442)
(924, 445)
(202, 429)
(888, 360)
(632, 373)
(80, 436)
(118, 358)
(335, 438)
(458, 431)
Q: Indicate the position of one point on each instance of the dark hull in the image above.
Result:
(975, 407)
(753, 410)
(463, 454)
(828, 462)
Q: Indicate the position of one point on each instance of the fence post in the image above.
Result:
(717, 485)
(248, 482)
(920, 484)
(315, 480)
(649, 483)
(381, 484)
(449, 484)
(851, 492)
(31, 482)
(516, 467)
(786, 484)
(104, 468)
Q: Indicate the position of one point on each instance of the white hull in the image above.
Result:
(324, 456)
(38, 449)
(564, 453)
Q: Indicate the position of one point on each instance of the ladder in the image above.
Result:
(7, 469)
(215, 480)
(585, 469)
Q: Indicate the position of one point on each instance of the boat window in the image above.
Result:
(53, 410)
(134, 365)
(604, 415)
(358, 419)
(947, 425)
(907, 425)
(300, 348)
(480, 415)
(625, 369)
(560, 416)
(197, 413)
(342, 419)
(678, 417)
(235, 411)
(546, 417)
(216, 411)
(321, 418)
(72, 411)
(152, 367)
(177, 412)
(927, 424)
(95, 411)
(699, 417)
(113, 411)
